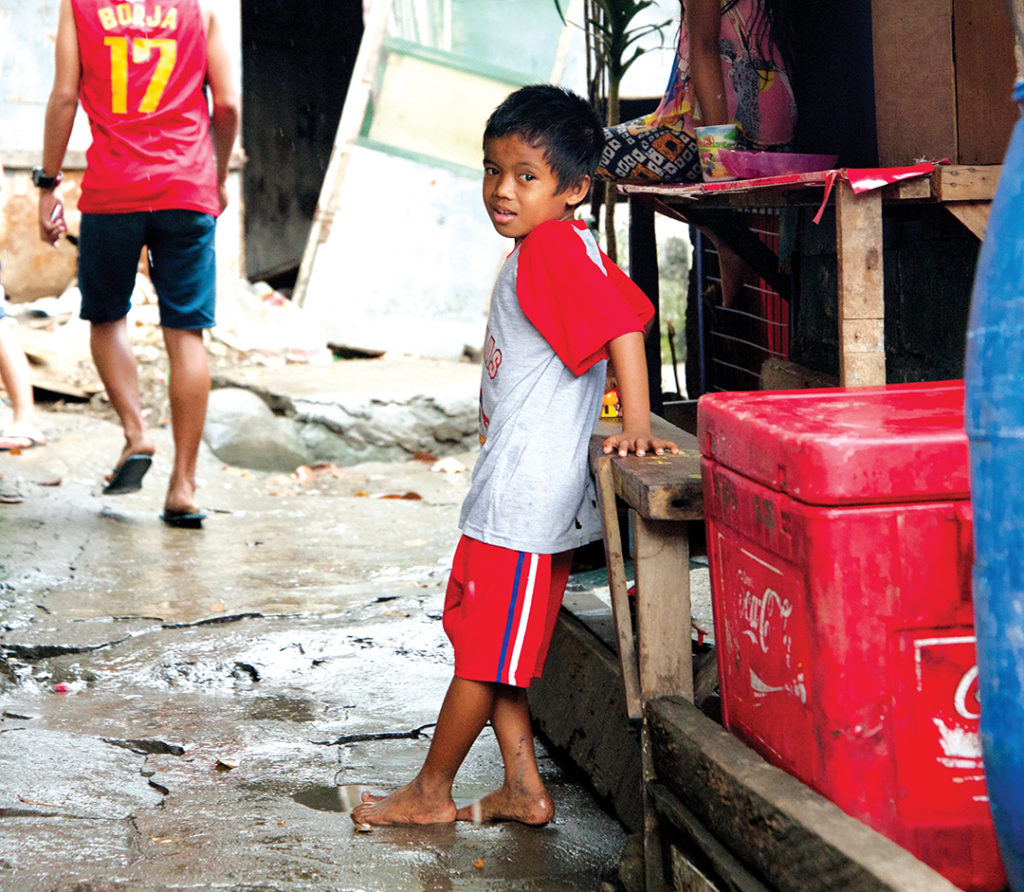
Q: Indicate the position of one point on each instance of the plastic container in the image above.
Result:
(839, 539)
(711, 141)
(995, 424)
(750, 165)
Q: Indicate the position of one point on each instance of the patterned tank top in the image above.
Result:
(758, 93)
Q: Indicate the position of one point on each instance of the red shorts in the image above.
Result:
(500, 610)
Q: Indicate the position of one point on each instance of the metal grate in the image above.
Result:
(736, 340)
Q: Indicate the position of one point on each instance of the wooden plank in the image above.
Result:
(917, 189)
(579, 705)
(973, 214)
(660, 487)
(914, 80)
(863, 370)
(860, 282)
(731, 875)
(966, 183)
(357, 98)
(675, 202)
(662, 557)
(862, 335)
(617, 586)
(859, 250)
(654, 871)
(985, 112)
(684, 874)
(779, 828)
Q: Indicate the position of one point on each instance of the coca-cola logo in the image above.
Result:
(766, 617)
(966, 700)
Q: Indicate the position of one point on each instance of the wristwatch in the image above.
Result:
(40, 179)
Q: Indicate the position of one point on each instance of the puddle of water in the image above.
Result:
(281, 708)
(338, 798)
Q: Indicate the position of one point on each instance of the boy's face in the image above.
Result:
(521, 190)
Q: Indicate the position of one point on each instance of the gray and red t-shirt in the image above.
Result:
(557, 302)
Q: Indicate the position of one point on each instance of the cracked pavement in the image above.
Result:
(198, 709)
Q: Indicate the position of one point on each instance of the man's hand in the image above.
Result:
(640, 442)
(52, 224)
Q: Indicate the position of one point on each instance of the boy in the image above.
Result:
(559, 309)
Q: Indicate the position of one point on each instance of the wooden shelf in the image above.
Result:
(965, 191)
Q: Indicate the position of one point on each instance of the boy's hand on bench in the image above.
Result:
(640, 442)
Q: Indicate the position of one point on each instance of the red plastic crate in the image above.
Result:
(839, 538)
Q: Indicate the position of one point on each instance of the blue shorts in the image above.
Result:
(182, 265)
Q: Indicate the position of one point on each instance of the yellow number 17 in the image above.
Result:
(141, 48)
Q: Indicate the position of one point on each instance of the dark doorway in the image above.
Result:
(297, 60)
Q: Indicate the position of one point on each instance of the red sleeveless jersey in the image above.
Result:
(143, 70)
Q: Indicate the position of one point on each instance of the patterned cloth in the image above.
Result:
(660, 147)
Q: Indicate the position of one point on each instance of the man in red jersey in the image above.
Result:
(153, 179)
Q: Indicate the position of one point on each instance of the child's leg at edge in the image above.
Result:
(523, 797)
(427, 799)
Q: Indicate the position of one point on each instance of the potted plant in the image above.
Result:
(612, 47)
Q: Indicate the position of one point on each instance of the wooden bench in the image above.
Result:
(663, 494)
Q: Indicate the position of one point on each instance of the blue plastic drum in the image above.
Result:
(995, 426)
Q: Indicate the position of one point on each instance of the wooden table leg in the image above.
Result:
(615, 561)
(661, 553)
(861, 301)
(973, 214)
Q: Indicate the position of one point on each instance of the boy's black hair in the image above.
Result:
(561, 122)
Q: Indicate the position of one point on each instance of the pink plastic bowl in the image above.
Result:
(750, 165)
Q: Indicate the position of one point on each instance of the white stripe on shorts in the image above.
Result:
(524, 616)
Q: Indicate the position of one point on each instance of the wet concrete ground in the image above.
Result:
(187, 709)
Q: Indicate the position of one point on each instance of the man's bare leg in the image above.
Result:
(523, 797)
(427, 799)
(115, 362)
(189, 390)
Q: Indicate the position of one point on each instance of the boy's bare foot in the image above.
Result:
(407, 805)
(505, 804)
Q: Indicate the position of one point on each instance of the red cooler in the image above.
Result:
(839, 537)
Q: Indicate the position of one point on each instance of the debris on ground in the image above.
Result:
(256, 326)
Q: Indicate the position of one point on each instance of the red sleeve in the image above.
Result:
(576, 305)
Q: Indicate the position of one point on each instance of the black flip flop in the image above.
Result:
(128, 477)
(187, 520)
